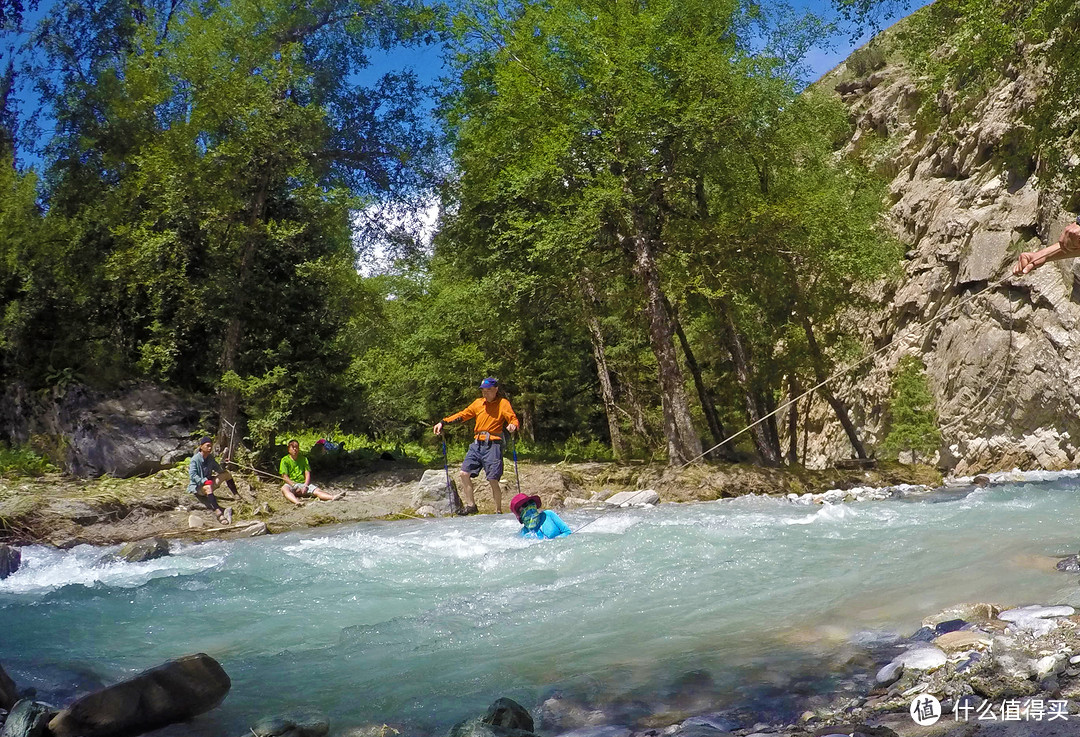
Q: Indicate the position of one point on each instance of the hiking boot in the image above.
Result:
(465, 511)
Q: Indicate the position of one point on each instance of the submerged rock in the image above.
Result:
(28, 718)
(479, 728)
(612, 730)
(171, 692)
(509, 714)
(558, 713)
(10, 560)
(298, 724)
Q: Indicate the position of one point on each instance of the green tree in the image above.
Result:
(209, 166)
(587, 137)
(912, 419)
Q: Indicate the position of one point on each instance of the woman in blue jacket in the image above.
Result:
(545, 524)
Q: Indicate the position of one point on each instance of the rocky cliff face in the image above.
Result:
(1002, 366)
(1001, 359)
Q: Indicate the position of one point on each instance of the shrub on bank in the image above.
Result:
(23, 461)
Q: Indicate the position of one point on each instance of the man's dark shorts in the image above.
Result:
(485, 455)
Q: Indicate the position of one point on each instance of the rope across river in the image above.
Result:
(909, 333)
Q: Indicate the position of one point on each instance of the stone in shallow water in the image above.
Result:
(509, 714)
(923, 634)
(172, 692)
(1069, 564)
(143, 550)
(972, 612)
(962, 640)
(890, 673)
(1035, 611)
(718, 721)
(300, 724)
(608, 731)
(700, 730)
(479, 728)
(922, 658)
(558, 713)
(949, 625)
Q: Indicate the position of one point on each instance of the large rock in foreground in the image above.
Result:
(172, 692)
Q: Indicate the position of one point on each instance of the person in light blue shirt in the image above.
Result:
(544, 524)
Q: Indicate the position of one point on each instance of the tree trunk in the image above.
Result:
(818, 361)
(636, 414)
(708, 407)
(229, 399)
(528, 427)
(793, 419)
(806, 426)
(682, 440)
(770, 454)
(766, 402)
(607, 391)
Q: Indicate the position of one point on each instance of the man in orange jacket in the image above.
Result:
(492, 413)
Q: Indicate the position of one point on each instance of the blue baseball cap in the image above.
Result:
(489, 383)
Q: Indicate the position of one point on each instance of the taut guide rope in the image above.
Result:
(911, 332)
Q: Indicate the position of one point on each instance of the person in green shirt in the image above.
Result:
(296, 473)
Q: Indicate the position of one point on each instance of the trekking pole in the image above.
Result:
(513, 448)
(451, 497)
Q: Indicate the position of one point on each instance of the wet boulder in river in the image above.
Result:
(172, 692)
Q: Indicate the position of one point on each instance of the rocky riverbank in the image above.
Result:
(64, 511)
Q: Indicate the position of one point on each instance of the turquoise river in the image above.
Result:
(421, 624)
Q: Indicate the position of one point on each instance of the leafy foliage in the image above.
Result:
(619, 175)
(912, 419)
(23, 461)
